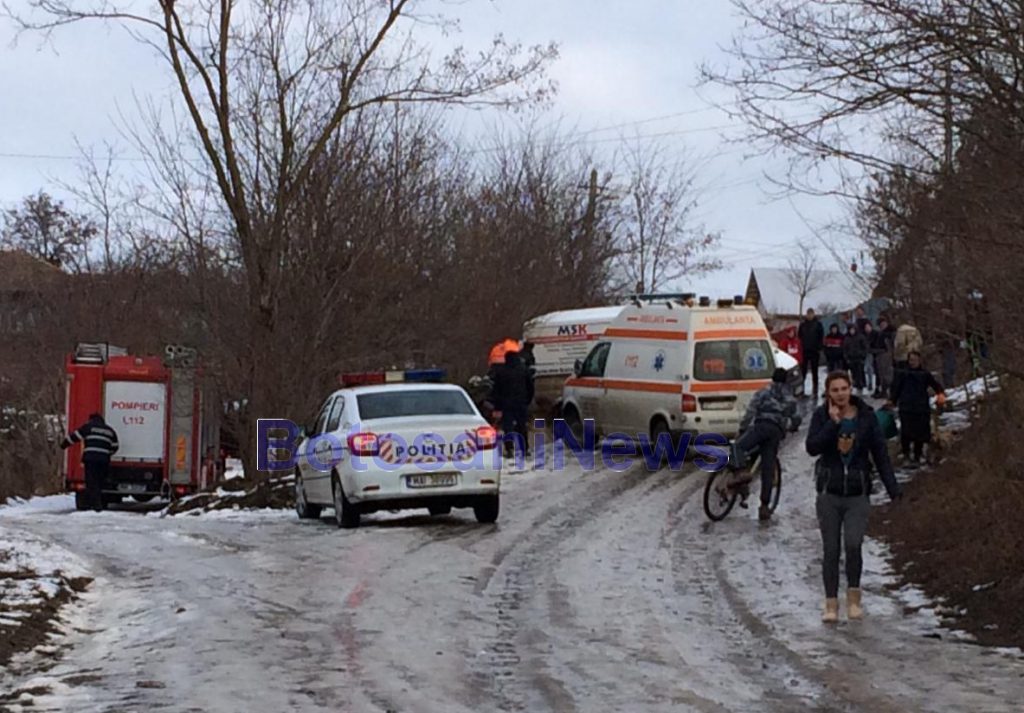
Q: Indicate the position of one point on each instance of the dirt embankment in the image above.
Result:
(29, 604)
(958, 534)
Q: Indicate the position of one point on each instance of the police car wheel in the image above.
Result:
(486, 509)
(345, 513)
(440, 509)
(303, 508)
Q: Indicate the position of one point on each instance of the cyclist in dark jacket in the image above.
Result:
(845, 436)
(771, 412)
(100, 443)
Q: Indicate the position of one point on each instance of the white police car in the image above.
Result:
(397, 440)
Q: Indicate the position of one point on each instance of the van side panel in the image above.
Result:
(644, 377)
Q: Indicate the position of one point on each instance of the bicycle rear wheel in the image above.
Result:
(776, 486)
(719, 498)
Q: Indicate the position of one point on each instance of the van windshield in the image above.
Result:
(733, 360)
(421, 402)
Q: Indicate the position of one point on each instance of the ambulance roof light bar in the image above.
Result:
(663, 296)
(393, 376)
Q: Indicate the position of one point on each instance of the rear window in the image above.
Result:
(426, 402)
(732, 360)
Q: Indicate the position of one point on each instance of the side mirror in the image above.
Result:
(577, 367)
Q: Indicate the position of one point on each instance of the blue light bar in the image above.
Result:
(425, 374)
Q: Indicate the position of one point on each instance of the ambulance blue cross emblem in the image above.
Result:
(659, 361)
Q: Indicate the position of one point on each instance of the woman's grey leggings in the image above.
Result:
(846, 519)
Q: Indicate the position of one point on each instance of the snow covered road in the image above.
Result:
(596, 591)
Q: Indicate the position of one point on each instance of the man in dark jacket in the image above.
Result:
(512, 394)
(812, 338)
(855, 352)
(771, 412)
(910, 395)
(100, 441)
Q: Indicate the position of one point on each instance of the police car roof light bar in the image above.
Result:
(426, 375)
(392, 376)
(363, 378)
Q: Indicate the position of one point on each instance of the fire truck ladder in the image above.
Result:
(96, 352)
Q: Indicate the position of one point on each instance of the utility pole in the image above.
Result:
(591, 212)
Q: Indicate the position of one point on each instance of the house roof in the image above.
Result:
(21, 271)
(834, 289)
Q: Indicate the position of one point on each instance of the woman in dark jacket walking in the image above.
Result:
(910, 394)
(845, 436)
(834, 349)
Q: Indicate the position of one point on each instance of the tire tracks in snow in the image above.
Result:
(535, 619)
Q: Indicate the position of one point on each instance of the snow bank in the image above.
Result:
(64, 502)
(971, 391)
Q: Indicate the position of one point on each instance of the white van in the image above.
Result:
(561, 339)
(665, 366)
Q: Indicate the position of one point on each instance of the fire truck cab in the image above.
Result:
(156, 406)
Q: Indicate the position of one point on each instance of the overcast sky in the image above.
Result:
(622, 63)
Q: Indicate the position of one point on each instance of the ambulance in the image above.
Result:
(672, 365)
(561, 339)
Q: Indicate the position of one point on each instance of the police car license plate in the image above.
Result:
(131, 488)
(431, 480)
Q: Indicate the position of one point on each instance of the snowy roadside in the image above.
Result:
(36, 580)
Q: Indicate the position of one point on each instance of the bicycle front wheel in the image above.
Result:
(776, 486)
(718, 496)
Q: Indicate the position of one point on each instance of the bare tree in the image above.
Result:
(803, 274)
(267, 88)
(661, 241)
(46, 229)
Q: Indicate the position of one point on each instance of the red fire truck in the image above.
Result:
(168, 437)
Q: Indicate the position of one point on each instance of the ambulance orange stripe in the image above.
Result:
(590, 381)
(558, 340)
(646, 334)
(752, 385)
(658, 387)
(731, 334)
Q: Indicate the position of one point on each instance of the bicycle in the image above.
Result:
(724, 486)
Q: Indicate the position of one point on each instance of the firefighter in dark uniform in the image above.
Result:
(100, 442)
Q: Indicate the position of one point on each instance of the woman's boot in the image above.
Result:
(853, 608)
(831, 615)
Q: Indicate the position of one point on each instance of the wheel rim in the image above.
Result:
(718, 497)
